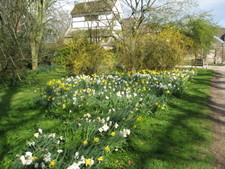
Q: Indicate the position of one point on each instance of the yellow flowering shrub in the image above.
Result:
(157, 50)
(84, 57)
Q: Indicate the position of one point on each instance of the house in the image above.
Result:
(101, 18)
(217, 54)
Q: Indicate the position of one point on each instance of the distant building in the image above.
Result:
(217, 54)
(100, 18)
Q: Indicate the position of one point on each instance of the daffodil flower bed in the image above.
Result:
(99, 113)
(44, 151)
(135, 91)
(98, 138)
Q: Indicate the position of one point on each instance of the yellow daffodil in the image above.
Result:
(163, 107)
(64, 106)
(107, 148)
(100, 159)
(52, 163)
(139, 118)
(113, 134)
(85, 142)
(50, 83)
(96, 139)
(89, 162)
(167, 92)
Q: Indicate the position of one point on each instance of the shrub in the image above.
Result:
(83, 57)
(161, 50)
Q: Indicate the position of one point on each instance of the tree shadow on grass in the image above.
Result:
(178, 142)
(4, 114)
(17, 125)
(175, 138)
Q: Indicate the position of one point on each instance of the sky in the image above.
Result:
(216, 8)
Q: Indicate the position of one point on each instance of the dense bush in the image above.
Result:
(161, 50)
(84, 57)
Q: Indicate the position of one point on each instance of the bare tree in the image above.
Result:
(37, 18)
(151, 12)
(12, 39)
(24, 27)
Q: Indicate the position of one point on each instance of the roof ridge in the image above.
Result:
(98, 6)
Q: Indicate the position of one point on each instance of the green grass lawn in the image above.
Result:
(20, 116)
(175, 138)
(179, 137)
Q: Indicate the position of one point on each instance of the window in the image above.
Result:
(91, 18)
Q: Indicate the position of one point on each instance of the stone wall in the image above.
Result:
(217, 55)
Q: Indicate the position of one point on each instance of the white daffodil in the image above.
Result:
(47, 157)
(108, 118)
(74, 166)
(36, 135)
(40, 131)
(118, 94)
(105, 127)
(36, 165)
(87, 115)
(103, 121)
(31, 143)
(116, 126)
(27, 159)
(100, 129)
(125, 132)
(82, 160)
(76, 155)
(42, 165)
(59, 151)
(52, 135)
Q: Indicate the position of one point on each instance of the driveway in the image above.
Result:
(217, 103)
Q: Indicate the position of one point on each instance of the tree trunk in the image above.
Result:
(37, 30)
(34, 54)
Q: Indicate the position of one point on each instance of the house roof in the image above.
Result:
(220, 32)
(219, 39)
(93, 7)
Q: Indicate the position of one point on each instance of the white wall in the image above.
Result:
(89, 24)
(104, 22)
(105, 17)
(78, 19)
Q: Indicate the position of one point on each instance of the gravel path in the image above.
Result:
(217, 103)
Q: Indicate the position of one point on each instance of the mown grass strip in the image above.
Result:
(177, 138)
